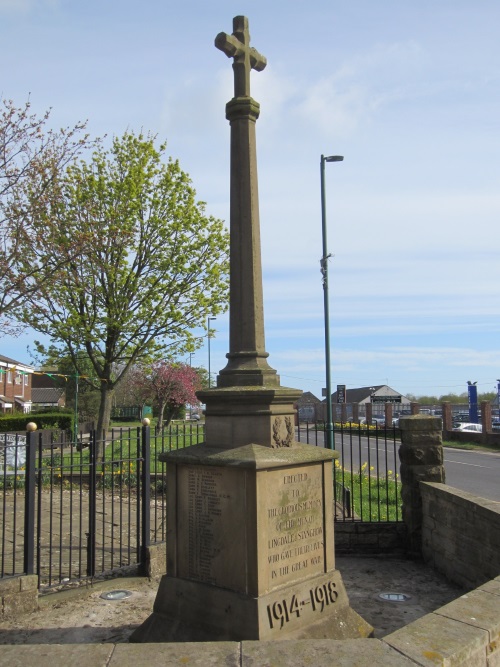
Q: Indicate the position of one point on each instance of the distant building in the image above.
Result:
(48, 391)
(15, 385)
(308, 407)
(377, 396)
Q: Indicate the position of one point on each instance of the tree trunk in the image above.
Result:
(104, 418)
(160, 415)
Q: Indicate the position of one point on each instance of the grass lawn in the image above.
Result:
(470, 445)
(372, 498)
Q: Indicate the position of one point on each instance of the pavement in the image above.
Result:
(82, 616)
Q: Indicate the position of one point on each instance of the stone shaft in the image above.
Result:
(247, 358)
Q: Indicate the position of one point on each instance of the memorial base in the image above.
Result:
(188, 611)
(250, 548)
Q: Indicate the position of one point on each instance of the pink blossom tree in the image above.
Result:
(173, 386)
(136, 387)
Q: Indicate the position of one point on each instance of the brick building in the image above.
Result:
(15, 385)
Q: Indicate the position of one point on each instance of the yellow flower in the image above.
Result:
(364, 466)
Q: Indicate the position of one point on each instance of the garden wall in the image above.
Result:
(460, 534)
(367, 539)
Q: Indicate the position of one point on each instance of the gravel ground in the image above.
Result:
(82, 616)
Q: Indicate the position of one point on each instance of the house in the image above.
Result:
(377, 396)
(15, 385)
(47, 391)
(307, 407)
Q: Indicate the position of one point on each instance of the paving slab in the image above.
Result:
(50, 655)
(321, 653)
(437, 640)
(478, 608)
(198, 654)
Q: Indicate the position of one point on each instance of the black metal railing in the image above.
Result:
(366, 475)
(74, 510)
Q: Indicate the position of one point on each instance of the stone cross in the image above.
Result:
(246, 58)
(247, 357)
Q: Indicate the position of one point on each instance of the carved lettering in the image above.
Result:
(295, 516)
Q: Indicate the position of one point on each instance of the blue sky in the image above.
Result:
(407, 91)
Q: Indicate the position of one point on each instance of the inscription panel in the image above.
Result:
(300, 604)
(295, 524)
(211, 526)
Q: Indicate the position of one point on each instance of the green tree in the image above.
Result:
(152, 264)
(78, 384)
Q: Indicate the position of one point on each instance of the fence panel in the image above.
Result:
(366, 481)
(68, 513)
(12, 503)
(98, 513)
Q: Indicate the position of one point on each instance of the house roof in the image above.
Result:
(308, 398)
(43, 380)
(364, 393)
(46, 395)
(12, 363)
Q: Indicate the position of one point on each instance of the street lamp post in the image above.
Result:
(324, 273)
(210, 319)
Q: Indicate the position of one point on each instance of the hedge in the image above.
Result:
(50, 420)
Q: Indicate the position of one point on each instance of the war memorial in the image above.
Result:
(250, 541)
(250, 544)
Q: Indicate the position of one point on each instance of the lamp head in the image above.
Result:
(334, 158)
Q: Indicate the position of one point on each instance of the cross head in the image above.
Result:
(246, 58)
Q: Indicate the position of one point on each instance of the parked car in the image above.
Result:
(465, 427)
(495, 426)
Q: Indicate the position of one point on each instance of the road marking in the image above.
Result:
(462, 463)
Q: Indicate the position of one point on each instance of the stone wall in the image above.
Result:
(460, 534)
(366, 539)
(421, 456)
(155, 562)
(18, 595)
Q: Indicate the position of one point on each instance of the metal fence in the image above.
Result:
(366, 474)
(71, 511)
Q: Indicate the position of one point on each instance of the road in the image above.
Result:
(469, 470)
(473, 471)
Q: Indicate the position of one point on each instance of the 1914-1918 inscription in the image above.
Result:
(295, 524)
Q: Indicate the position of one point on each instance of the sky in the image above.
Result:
(407, 91)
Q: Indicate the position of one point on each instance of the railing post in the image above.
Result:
(146, 493)
(29, 503)
(421, 456)
(92, 504)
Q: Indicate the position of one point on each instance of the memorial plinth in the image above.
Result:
(250, 548)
